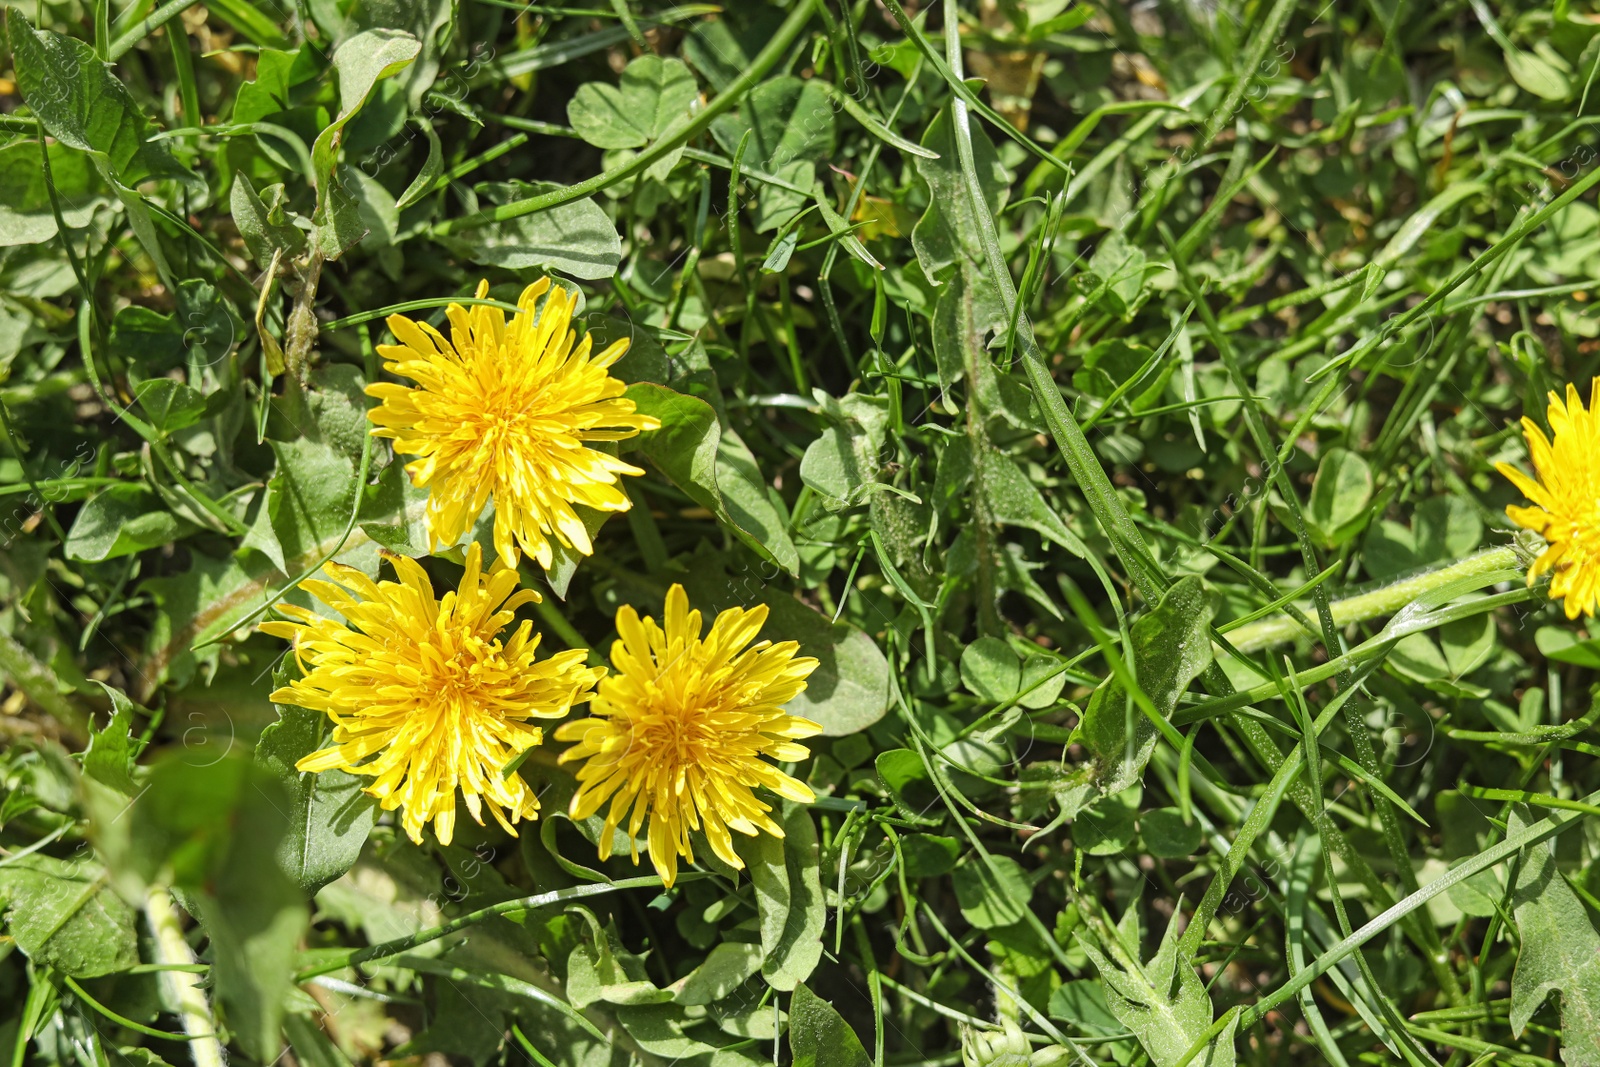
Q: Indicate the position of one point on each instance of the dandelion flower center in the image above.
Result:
(506, 411)
(425, 695)
(680, 734)
(1566, 499)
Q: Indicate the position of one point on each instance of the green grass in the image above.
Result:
(1109, 398)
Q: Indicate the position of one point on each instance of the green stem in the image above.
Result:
(520, 906)
(1384, 601)
(1525, 838)
(183, 987)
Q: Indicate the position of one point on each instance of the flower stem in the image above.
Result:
(1385, 601)
(172, 949)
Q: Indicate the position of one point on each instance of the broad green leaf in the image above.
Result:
(929, 855)
(1560, 951)
(146, 340)
(726, 967)
(1013, 500)
(788, 119)
(432, 168)
(776, 206)
(1108, 827)
(1083, 1004)
(1167, 835)
(1042, 680)
(308, 500)
(1164, 1003)
(991, 670)
(721, 49)
(1539, 74)
(1417, 656)
(109, 759)
(670, 1032)
(849, 690)
(429, 21)
(265, 222)
(645, 361)
(819, 1036)
(119, 521)
(373, 205)
(278, 71)
(64, 914)
(791, 127)
(839, 463)
(752, 505)
(210, 326)
(329, 817)
(1171, 646)
(966, 314)
(992, 891)
(360, 62)
(1113, 362)
(341, 224)
(601, 969)
(208, 599)
(577, 239)
(84, 105)
(1442, 528)
(846, 456)
(788, 890)
(1339, 496)
(905, 776)
(26, 216)
(654, 93)
(332, 410)
(394, 514)
(1118, 270)
(685, 447)
(1564, 646)
(721, 476)
(757, 1021)
(312, 491)
(949, 232)
(169, 405)
(1467, 643)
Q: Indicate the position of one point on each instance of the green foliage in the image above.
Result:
(1561, 952)
(329, 817)
(788, 892)
(1164, 1003)
(1107, 396)
(63, 914)
(1171, 646)
(654, 94)
(818, 1036)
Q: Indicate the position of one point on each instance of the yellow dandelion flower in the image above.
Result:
(425, 695)
(1566, 498)
(677, 733)
(505, 411)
